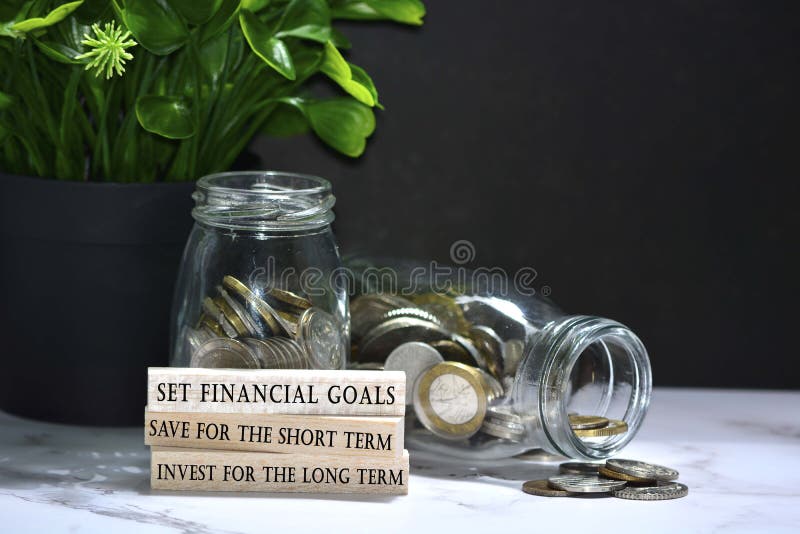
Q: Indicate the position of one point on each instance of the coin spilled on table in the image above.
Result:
(624, 479)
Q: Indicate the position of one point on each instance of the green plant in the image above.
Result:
(152, 90)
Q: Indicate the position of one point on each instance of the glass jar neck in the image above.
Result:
(589, 366)
(262, 201)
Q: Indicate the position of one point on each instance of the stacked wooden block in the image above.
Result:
(276, 430)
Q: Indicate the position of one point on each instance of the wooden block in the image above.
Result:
(276, 391)
(309, 434)
(213, 470)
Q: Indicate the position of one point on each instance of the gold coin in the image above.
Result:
(289, 299)
(211, 324)
(231, 316)
(613, 428)
(264, 310)
(454, 351)
(585, 422)
(542, 488)
(445, 308)
(610, 473)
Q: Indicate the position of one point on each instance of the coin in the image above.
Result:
(490, 346)
(458, 349)
(513, 351)
(411, 312)
(610, 473)
(263, 309)
(585, 483)
(444, 307)
(284, 299)
(230, 315)
(543, 489)
(662, 492)
(579, 468)
(278, 353)
(613, 428)
(413, 358)
(322, 339)
(213, 311)
(644, 470)
(195, 337)
(207, 322)
(384, 338)
(224, 353)
(450, 400)
(253, 328)
(367, 311)
(585, 422)
(502, 422)
(366, 366)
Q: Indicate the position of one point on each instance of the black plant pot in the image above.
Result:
(86, 284)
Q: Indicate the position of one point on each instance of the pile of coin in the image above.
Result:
(624, 479)
(595, 426)
(241, 327)
(459, 372)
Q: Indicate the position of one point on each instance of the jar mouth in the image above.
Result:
(263, 200)
(595, 367)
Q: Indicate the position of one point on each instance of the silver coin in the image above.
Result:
(322, 338)
(662, 492)
(639, 469)
(367, 311)
(476, 358)
(195, 337)
(413, 358)
(585, 483)
(579, 468)
(252, 327)
(278, 353)
(411, 312)
(366, 366)
(502, 422)
(294, 355)
(387, 336)
(224, 353)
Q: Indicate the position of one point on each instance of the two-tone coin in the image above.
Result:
(502, 422)
(387, 336)
(321, 337)
(490, 346)
(586, 422)
(613, 428)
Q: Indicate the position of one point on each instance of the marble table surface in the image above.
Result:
(738, 451)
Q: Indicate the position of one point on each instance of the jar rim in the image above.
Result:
(263, 201)
(208, 182)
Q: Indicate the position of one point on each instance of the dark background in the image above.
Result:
(642, 158)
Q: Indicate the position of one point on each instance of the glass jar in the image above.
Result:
(494, 370)
(256, 288)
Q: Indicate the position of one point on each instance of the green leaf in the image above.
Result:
(214, 53)
(5, 100)
(167, 116)
(58, 51)
(286, 121)
(254, 5)
(404, 11)
(196, 11)
(306, 19)
(221, 20)
(271, 49)
(155, 25)
(340, 40)
(342, 123)
(338, 70)
(55, 16)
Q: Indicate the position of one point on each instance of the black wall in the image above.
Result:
(642, 157)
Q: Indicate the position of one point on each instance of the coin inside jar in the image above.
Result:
(413, 358)
(585, 422)
(367, 311)
(613, 428)
(263, 309)
(384, 338)
(450, 400)
(490, 346)
(321, 337)
(458, 349)
(224, 353)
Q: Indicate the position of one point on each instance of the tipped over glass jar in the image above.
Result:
(256, 288)
(492, 372)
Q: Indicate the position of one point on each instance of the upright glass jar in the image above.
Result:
(256, 288)
(494, 370)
